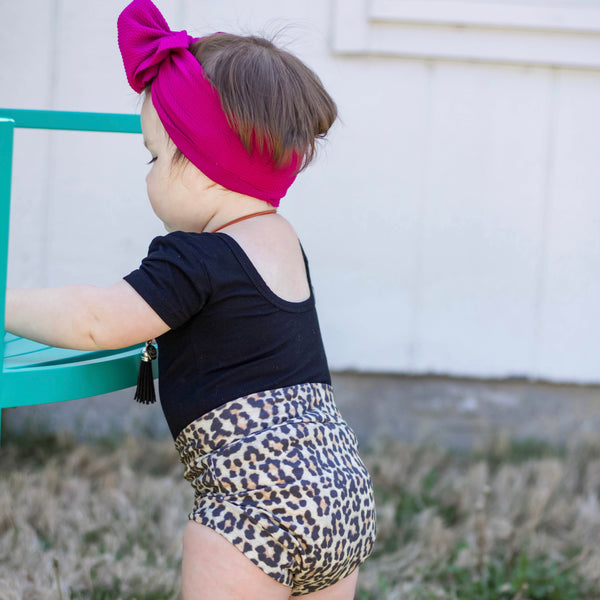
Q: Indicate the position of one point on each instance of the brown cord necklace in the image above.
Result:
(250, 216)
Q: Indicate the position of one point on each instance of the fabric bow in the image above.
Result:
(146, 41)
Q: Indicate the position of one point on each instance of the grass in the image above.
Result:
(538, 579)
(113, 591)
(519, 451)
(519, 520)
(535, 578)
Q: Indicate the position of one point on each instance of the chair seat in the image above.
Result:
(36, 374)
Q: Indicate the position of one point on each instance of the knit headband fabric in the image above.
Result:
(190, 108)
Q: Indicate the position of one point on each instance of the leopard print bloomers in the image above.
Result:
(278, 474)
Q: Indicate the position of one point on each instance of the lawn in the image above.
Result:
(103, 521)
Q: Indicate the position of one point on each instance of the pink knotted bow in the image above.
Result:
(189, 106)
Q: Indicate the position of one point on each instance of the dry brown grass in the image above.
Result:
(97, 521)
(438, 507)
(88, 518)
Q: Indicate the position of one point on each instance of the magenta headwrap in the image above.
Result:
(189, 106)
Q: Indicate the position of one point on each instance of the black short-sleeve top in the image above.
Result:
(230, 334)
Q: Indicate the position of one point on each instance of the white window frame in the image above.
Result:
(540, 32)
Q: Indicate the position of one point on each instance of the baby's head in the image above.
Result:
(269, 96)
(245, 112)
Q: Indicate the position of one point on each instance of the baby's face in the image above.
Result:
(177, 193)
(161, 181)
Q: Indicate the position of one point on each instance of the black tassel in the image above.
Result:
(144, 393)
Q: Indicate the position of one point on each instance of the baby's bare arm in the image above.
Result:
(83, 317)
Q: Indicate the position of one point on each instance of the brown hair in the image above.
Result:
(271, 98)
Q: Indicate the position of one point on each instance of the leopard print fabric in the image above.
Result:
(278, 474)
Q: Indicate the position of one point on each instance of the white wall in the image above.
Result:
(453, 218)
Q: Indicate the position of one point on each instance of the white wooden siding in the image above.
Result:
(453, 217)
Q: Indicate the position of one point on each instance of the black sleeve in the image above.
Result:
(172, 279)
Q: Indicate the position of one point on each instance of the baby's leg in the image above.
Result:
(214, 569)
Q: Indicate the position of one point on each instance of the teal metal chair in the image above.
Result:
(33, 373)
